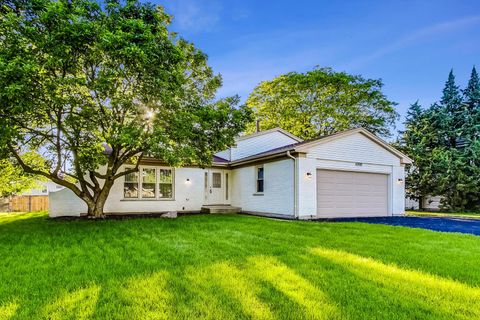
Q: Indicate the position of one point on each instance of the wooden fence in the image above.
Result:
(29, 203)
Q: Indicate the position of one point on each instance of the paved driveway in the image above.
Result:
(444, 224)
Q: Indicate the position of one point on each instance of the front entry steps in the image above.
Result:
(220, 208)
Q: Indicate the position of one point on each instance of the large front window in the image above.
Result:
(130, 189)
(166, 184)
(149, 183)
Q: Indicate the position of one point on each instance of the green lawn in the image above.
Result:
(232, 266)
(470, 215)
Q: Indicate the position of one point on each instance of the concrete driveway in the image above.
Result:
(444, 224)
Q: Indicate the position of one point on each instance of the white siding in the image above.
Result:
(46, 188)
(411, 204)
(354, 148)
(258, 144)
(347, 153)
(432, 203)
(65, 203)
(307, 197)
(187, 197)
(279, 188)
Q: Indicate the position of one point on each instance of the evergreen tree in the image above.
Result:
(472, 92)
(411, 143)
(444, 142)
(471, 110)
(452, 102)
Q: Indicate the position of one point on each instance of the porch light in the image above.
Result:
(399, 180)
(188, 182)
(309, 175)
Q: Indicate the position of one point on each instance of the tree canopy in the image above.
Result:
(443, 140)
(13, 180)
(322, 102)
(89, 85)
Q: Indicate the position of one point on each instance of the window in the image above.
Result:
(166, 184)
(260, 181)
(216, 180)
(130, 189)
(148, 183)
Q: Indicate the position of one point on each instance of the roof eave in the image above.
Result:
(258, 158)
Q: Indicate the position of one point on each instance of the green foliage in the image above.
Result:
(79, 76)
(13, 180)
(444, 142)
(322, 102)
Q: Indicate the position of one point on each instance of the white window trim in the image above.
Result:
(157, 184)
(259, 193)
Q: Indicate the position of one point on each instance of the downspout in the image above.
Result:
(295, 187)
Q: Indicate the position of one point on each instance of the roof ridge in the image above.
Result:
(276, 129)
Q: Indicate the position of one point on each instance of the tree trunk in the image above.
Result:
(95, 209)
(96, 205)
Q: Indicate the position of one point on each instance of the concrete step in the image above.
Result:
(220, 209)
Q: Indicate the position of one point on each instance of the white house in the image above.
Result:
(44, 189)
(348, 174)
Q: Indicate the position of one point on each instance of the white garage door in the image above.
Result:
(351, 194)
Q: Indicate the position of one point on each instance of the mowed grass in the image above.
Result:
(469, 215)
(233, 267)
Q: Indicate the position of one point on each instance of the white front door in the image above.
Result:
(214, 187)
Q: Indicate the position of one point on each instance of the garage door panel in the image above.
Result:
(351, 194)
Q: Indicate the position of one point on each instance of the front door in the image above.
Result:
(215, 186)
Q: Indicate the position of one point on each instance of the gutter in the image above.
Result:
(295, 179)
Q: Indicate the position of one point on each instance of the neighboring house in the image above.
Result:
(45, 187)
(348, 174)
(31, 200)
(411, 204)
(429, 203)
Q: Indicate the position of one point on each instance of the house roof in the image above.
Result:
(260, 133)
(303, 146)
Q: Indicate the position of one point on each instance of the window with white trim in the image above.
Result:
(149, 183)
(260, 179)
(130, 187)
(165, 184)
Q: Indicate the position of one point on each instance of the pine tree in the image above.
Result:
(411, 143)
(451, 97)
(471, 113)
(452, 103)
(444, 142)
(472, 92)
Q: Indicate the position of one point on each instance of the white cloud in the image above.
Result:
(195, 16)
(415, 37)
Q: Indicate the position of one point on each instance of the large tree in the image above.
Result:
(322, 102)
(97, 85)
(444, 143)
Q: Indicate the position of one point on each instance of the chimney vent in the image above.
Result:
(258, 125)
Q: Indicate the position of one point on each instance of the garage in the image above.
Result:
(351, 194)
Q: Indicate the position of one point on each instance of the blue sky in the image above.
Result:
(410, 45)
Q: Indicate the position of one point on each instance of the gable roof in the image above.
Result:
(260, 133)
(303, 146)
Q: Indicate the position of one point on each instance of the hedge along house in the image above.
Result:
(348, 174)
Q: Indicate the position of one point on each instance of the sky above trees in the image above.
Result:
(411, 45)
